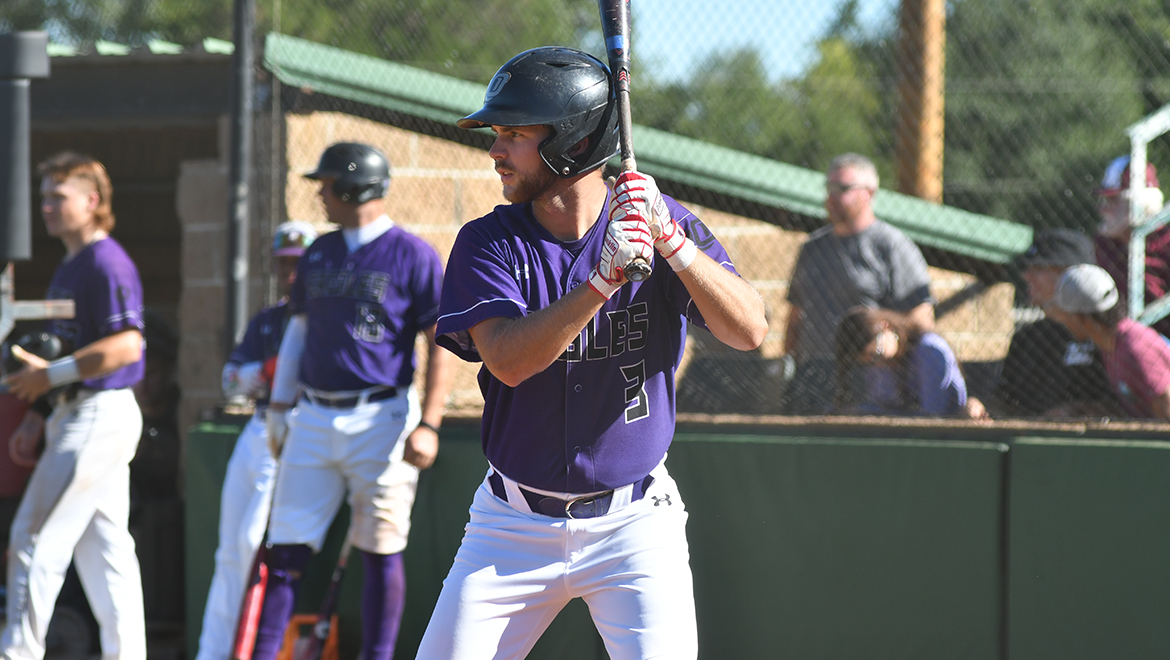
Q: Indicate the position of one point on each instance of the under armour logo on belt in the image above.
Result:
(665, 499)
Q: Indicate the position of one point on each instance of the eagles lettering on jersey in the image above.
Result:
(367, 285)
(627, 331)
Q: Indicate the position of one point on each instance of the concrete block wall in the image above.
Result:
(436, 187)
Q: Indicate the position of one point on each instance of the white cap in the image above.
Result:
(1086, 289)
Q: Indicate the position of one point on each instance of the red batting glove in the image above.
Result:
(268, 372)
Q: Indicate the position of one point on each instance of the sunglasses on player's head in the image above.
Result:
(835, 188)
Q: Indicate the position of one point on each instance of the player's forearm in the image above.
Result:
(109, 354)
(440, 373)
(517, 349)
(732, 308)
(288, 363)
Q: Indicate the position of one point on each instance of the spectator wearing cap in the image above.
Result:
(1113, 234)
(1048, 372)
(1137, 359)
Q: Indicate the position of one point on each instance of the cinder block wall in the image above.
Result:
(436, 187)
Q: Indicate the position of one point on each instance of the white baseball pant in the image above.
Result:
(243, 516)
(515, 570)
(359, 449)
(76, 507)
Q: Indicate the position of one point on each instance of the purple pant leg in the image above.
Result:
(383, 599)
(286, 563)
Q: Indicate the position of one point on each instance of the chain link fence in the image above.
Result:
(1006, 112)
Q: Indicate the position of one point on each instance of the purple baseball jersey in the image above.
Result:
(365, 308)
(261, 340)
(104, 285)
(602, 415)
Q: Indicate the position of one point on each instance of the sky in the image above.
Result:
(676, 34)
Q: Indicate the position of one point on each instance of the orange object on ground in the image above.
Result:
(293, 638)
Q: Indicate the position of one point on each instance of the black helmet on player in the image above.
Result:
(359, 172)
(562, 88)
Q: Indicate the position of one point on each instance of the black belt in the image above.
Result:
(579, 507)
(351, 401)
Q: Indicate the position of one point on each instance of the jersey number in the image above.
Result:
(367, 326)
(637, 406)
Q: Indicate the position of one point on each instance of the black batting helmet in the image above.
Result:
(562, 88)
(359, 172)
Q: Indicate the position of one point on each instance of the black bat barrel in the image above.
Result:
(23, 56)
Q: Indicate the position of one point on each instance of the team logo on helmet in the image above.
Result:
(496, 85)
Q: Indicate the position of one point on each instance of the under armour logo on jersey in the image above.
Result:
(665, 499)
(520, 271)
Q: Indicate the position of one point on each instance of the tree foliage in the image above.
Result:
(1038, 92)
(464, 38)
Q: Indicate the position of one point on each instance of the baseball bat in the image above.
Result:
(253, 604)
(615, 26)
(316, 643)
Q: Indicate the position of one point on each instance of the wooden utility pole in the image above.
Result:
(922, 64)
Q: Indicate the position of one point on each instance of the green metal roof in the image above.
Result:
(702, 165)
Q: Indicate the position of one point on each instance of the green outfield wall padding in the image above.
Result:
(842, 548)
(806, 544)
(1090, 550)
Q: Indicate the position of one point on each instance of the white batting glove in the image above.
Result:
(276, 422)
(639, 194)
(625, 240)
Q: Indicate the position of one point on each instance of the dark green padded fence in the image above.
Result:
(820, 542)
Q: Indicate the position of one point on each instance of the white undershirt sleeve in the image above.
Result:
(288, 361)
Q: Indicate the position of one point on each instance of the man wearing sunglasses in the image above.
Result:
(857, 260)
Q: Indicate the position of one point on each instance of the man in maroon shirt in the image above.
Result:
(1112, 240)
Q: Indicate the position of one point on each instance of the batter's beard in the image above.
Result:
(531, 187)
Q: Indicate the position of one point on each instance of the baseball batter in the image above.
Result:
(578, 376)
(77, 502)
(361, 297)
(247, 484)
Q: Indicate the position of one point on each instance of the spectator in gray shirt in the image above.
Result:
(857, 260)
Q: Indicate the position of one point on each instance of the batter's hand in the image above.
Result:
(640, 194)
(276, 422)
(625, 240)
(22, 444)
(637, 194)
(32, 380)
(422, 446)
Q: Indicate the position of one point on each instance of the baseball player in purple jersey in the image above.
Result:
(77, 502)
(361, 297)
(247, 484)
(578, 376)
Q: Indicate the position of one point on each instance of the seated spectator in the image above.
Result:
(906, 372)
(1112, 240)
(1047, 372)
(856, 260)
(1137, 359)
